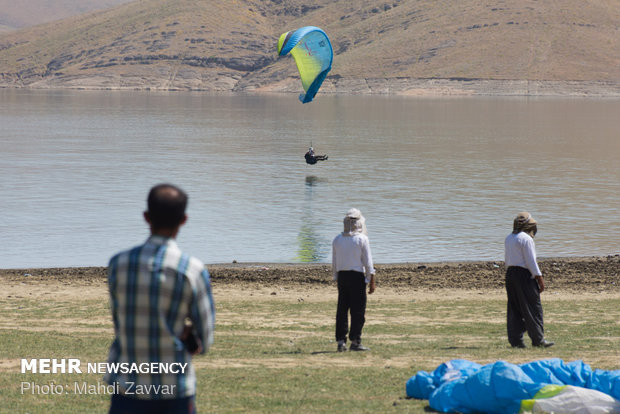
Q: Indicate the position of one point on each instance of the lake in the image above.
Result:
(438, 179)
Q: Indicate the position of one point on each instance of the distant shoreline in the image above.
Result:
(334, 86)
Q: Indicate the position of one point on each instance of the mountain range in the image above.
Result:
(530, 47)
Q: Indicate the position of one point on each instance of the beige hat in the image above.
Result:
(524, 222)
(354, 223)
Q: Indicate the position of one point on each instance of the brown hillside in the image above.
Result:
(214, 45)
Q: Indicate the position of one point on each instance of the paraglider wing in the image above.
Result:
(313, 55)
(545, 386)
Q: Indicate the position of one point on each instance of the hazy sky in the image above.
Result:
(24, 13)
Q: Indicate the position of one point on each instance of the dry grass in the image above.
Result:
(274, 349)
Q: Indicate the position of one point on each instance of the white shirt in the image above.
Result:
(352, 253)
(520, 250)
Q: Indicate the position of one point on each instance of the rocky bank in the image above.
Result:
(574, 275)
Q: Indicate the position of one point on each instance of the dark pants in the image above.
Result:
(351, 297)
(126, 405)
(525, 311)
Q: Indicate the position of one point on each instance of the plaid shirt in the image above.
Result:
(153, 288)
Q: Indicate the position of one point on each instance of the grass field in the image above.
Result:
(274, 349)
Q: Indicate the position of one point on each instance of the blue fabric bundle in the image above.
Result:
(467, 387)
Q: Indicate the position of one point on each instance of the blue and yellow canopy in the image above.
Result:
(544, 386)
(313, 55)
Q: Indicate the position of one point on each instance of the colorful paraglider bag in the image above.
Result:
(313, 55)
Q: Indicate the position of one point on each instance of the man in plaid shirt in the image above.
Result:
(163, 314)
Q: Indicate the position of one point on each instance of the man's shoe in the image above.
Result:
(358, 347)
(342, 347)
(545, 344)
(519, 345)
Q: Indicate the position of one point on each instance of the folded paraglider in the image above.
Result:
(546, 386)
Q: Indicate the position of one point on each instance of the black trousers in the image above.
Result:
(122, 404)
(351, 298)
(525, 311)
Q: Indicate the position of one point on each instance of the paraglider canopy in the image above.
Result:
(313, 55)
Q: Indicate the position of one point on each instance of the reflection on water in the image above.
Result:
(437, 179)
(312, 246)
(313, 180)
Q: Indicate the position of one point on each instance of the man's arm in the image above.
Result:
(371, 285)
(541, 283)
(530, 260)
(202, 312)
(334, 264)
(529, 254)
(368, 265)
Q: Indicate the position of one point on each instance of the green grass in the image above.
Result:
(277, 353)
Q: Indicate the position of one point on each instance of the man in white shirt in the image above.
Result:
(524, 283)
(352, 267)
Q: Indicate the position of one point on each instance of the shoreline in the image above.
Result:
(568, 274)
(402, 87)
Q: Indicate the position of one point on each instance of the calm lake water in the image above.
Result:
(437, 179)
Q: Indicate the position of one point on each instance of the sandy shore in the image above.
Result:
(569, 275)
(381, 86)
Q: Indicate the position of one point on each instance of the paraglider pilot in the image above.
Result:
(312, 159)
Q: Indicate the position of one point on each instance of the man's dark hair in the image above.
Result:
(166, 206)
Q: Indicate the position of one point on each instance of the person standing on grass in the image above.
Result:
(352, 269)
(524, 284)
(156, 290)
